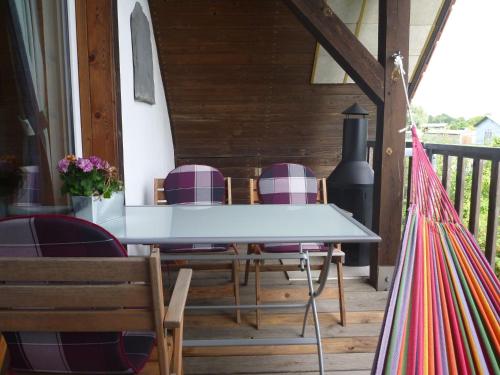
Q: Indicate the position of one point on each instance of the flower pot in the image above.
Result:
(99, 209)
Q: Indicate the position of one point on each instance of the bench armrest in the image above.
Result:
(175, 311)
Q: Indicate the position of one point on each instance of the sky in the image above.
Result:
(463, 76)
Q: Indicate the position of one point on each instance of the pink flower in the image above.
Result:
(85, 165)
(63, 165)
(98, 163)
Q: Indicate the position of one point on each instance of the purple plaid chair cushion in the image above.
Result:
(198, 185)
(287, 183)
(66, 352)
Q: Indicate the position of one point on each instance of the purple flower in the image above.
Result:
(63, 165)
(85, 165)
(98, 163)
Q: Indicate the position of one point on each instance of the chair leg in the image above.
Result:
(247, 265)
(257, 293)
(236, 287)
(177, 354)
(340, 280)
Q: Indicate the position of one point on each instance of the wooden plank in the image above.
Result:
(74, 269)
(84, 75)
(330, 345)
(159, 310)
(3, 355)
(281, 364)
(74, 296)
(459, 186)
(76, 321)
(281, 319)
(394, 29)
(493, 212)
(289, 295)
(97, 76)
(342, 45)
(475, 197)
(175, 312)
(445, 180)
(409, 183)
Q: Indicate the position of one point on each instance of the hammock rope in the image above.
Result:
(442, 315)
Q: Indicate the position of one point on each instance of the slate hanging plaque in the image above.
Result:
(144, 86)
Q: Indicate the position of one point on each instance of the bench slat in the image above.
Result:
(75, 296)
(74, 269)
(77, 321)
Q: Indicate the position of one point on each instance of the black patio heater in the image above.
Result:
(350, 185)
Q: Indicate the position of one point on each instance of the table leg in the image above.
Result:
(312, 303)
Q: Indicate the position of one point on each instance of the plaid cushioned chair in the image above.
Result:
(198, 185)
(68, 352)
(287, 183)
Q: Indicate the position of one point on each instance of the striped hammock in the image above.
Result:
(442, 316)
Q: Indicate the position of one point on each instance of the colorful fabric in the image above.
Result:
(198, 185)
(287, 183)
(66, 352)
(443, 311)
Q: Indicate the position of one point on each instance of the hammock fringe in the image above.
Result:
(442, 316)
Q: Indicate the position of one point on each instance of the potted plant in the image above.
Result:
(94, 186)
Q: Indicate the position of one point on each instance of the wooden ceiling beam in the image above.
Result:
(336, 38)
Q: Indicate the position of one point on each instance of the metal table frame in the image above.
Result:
(302, 256)
(304, 259)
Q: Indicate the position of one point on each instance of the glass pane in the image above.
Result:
(236, 223)
(35, 114)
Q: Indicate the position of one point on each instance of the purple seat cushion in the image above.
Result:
(287, 183)
(196, 185)
(63, 236)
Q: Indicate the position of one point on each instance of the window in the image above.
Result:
(35, 102)
(488, 136)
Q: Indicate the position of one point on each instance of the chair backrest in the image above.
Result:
(57, 297)
(193, 184)
(287, 184)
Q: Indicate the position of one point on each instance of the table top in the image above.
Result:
(175, 224)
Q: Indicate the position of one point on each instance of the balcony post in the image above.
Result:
(394, 28)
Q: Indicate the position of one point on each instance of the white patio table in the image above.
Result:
(187, 224)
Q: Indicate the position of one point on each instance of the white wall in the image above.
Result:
(147, 141)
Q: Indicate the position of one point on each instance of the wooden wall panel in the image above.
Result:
(237, 77)
(99, 84)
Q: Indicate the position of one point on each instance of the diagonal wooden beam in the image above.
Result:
(342, 45)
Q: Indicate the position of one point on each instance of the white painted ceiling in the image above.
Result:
(361, 16)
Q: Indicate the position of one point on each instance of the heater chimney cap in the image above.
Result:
(355, 109)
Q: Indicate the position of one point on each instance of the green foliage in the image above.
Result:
(419, 116)
(440, 119)
(461, 123)
(88, 179)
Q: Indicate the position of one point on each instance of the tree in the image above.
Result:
(419, 116)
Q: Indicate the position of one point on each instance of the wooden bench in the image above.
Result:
(94, 295)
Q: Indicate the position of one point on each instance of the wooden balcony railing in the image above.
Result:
(449, 160)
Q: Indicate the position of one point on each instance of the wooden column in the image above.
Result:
(98, 78)
(394, 30)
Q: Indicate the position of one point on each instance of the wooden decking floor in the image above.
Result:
(348, 350)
